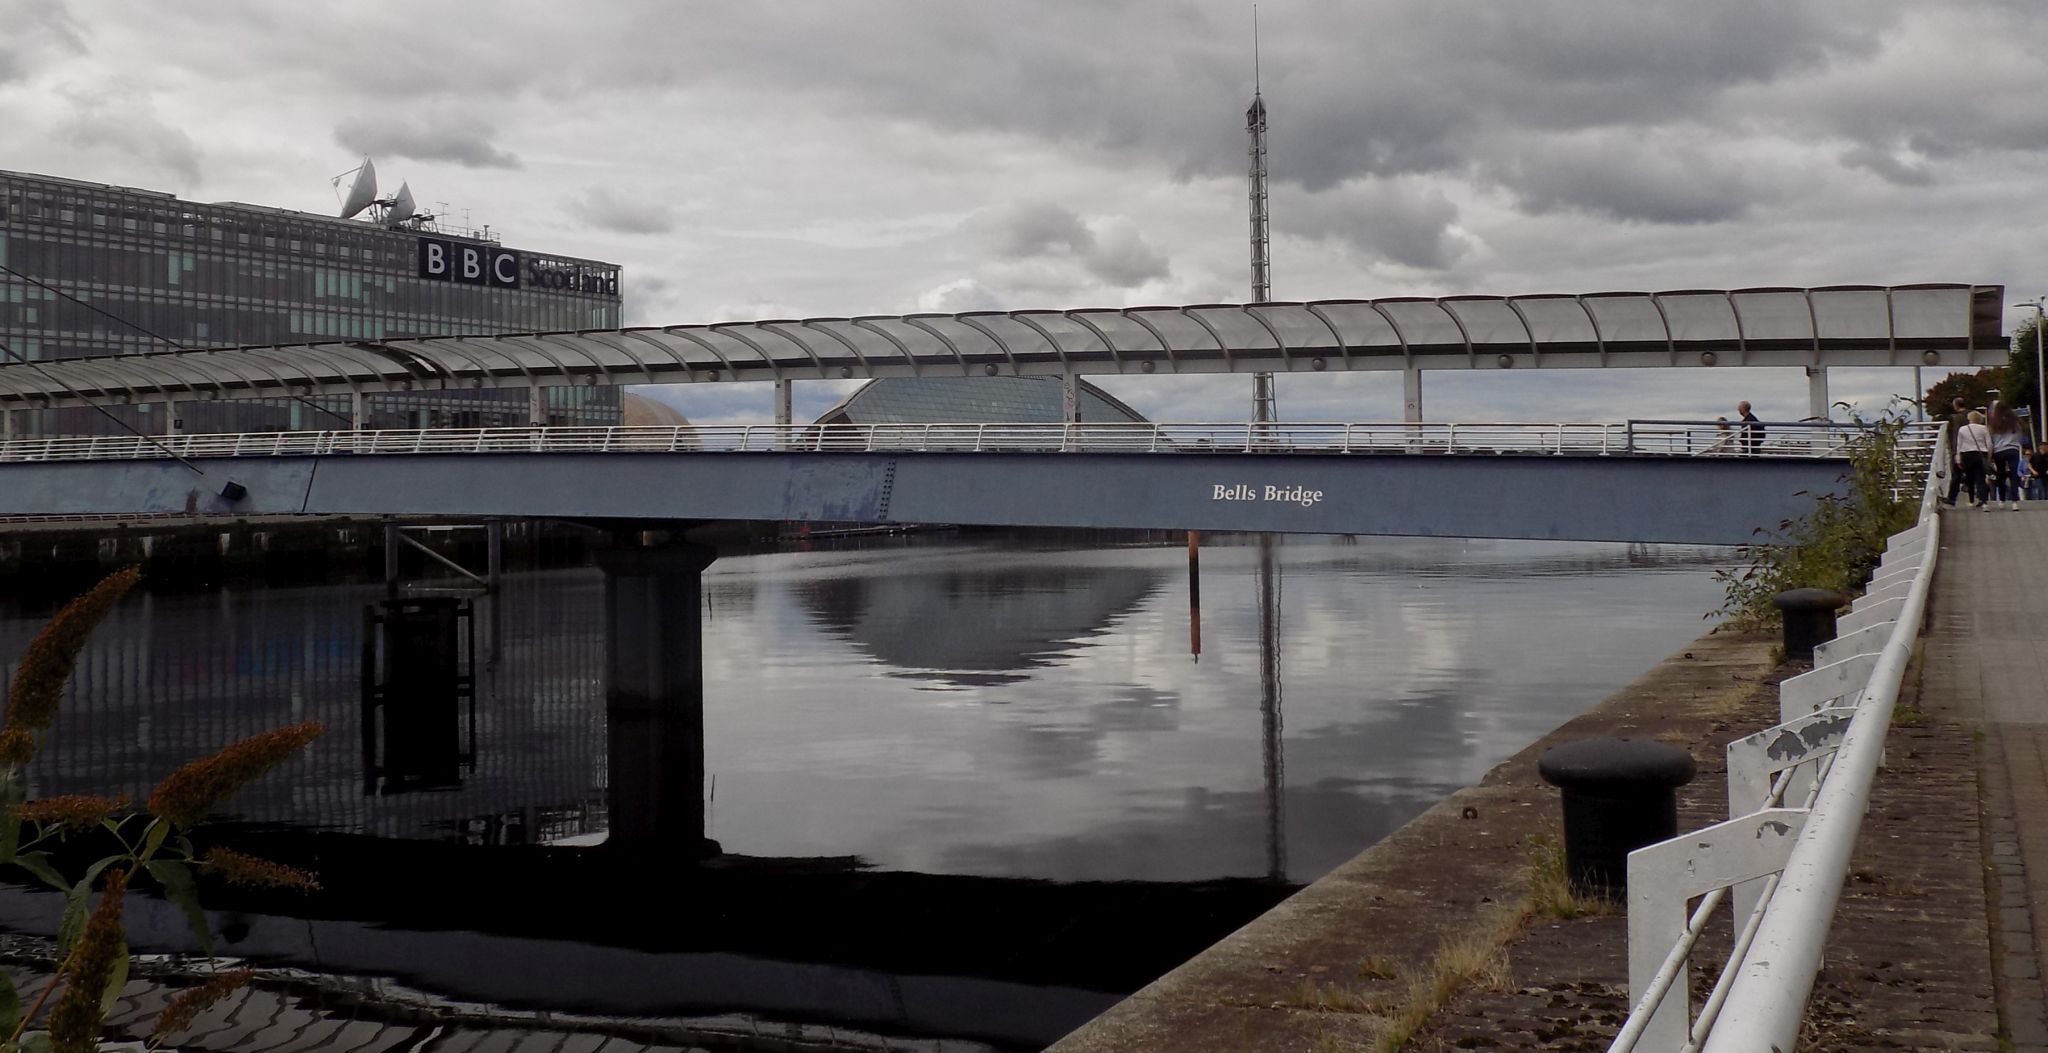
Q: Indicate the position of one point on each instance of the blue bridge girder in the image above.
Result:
(1630, 498)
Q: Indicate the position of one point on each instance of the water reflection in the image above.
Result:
(1052, 801)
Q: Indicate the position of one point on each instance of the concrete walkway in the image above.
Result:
(1986, 657)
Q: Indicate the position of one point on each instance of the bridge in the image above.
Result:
(1637, 481)
(1926, 325)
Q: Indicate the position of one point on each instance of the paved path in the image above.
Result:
(1986, 660)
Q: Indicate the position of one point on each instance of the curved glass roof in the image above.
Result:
(1938, 324)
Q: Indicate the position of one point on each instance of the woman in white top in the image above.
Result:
(2007, 437)
(1973, 448)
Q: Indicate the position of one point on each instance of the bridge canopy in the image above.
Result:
(1907, 325)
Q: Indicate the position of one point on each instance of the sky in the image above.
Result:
(787, 159)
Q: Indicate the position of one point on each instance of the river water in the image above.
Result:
(940, 727)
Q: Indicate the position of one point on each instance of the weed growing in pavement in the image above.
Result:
(1838, 544)
(149, 845)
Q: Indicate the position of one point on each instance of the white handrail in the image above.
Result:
(1760, 999)
(1553, 437)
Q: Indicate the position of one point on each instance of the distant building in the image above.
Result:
(973, 400)
(231, 274)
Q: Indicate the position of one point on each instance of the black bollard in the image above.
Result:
(1809, 619)
(1619, 795)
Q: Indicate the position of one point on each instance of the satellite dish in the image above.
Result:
(401, 207)
(361, 192)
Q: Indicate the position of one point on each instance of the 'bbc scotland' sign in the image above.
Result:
(449, 261)
(455, 261)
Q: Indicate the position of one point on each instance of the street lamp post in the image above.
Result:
(2040, 378)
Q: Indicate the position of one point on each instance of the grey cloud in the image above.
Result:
(608, 210)
(460, 140)
(1401, 222)
(1668, 178)
(120, 118)
(1887, 166)
(35, 30)
(1113, 250)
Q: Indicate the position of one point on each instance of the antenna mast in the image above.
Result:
(1263, 402)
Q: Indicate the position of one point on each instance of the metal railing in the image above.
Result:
(1782, 865)
(1658, 438)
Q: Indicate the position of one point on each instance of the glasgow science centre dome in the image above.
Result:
(972, 400)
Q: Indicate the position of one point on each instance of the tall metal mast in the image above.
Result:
(1263, 408)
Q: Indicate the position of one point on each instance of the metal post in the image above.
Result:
(1411, 395)
(1070, 399)
(170, 418)
(784, 397)
(536, 410)
(1919, 394)
(391, 542)
(358, 410)
(494, 566)
(1817, 404)
(6, 425)
(2040, 377)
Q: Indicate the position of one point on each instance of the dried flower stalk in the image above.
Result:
(75, 1020)
(39, 682)
(237, 868)
(71, 811)
(185, 1008)
(188, 794)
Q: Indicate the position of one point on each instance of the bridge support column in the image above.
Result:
(785, 397)
(1411, 395)
(6, 425)
(536, 407)
(654, 694)
(170, 418)
(1817, 404)
(358, 410)
(1070, 399)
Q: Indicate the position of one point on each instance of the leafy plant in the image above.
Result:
(1838, 544)
(151, 844)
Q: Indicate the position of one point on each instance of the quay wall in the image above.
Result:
(1325, 968)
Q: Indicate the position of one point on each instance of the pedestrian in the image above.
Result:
(1724, 438)
(1973, 452)
(2037, 480)
(1958, 415)
(1752, 430)
(2006, 440)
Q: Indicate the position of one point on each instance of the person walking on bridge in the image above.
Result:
(2007, 437)
(1973, 451)
(1752, 430)
(1958, 415)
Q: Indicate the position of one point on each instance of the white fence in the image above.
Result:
(1796, 797)
(1661, 438)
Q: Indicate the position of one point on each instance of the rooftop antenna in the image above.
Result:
(362, 193)
(1263, 402)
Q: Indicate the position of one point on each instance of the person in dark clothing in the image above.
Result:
(1958, 415)
(1752, 430)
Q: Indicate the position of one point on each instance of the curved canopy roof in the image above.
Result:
(1941, 324)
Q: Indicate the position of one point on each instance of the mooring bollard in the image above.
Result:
(1809, 619)
(1619, 795)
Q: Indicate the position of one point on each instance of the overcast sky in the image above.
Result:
(769, 159)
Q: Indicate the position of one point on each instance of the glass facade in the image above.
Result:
(972, 400)
(155, 273)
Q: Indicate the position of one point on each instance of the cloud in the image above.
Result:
(1889, 167)
(1401, 221)
(37, 32)
(605, 209)
(121, 118)
(465, 141)
(1673, 176)
(1112, 250)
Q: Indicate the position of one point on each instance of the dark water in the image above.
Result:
(1007, 737)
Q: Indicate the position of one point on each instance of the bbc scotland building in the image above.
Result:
(155, 272)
